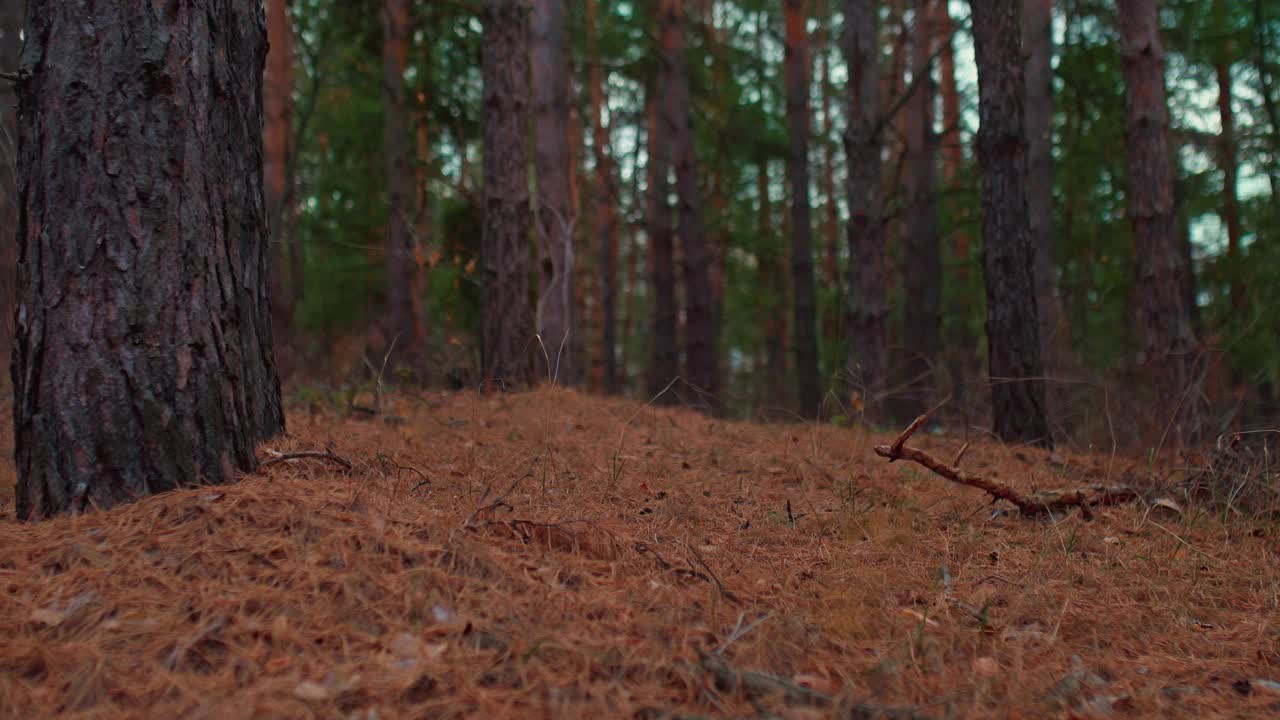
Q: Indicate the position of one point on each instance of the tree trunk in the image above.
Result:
(1037, 44)
(10, 49)
(556, 218)
(805, 302)
(664, 365)
(831, 212)
(921, 257)
(277, 103)
(769, 262)
(402, 325)
(702, 371)
(960, 342)
(1164, 318)
(606, 225)
(1227, 158)
(1013, 332)
(505, 321)
(143, 357)
(865, 296)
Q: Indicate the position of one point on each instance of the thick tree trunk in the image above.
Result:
(143, 357)
(702, 371)
(606, 224)
(865, 296)
(403, 324)
(805, 300)
(921, 257)
(1013, 332)
(1037, 47)
(10, 49)
(506, 327)
(1164, 318)
(556, 217)
(664, 364)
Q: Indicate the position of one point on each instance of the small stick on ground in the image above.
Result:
(307, 455)
(754, 684)
(1029, 506)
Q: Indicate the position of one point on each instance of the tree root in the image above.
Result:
(1030, 506)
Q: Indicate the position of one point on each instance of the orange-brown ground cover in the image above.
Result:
(555, 555)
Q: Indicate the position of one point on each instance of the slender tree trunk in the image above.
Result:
(1264, 62)
(10, 49)
(961, 342)
(1037, 44)
(1170, 345)
(664, 365)
(402, 324)
(606, 225)
(1227, 158)
(506, 325)
(277, 101)
(556, 218)
(831, 211)
(805, 301)
(700, 332)
(769, 261)
(1013, 332)
(921, 257)
(143, 357)
(865, 297)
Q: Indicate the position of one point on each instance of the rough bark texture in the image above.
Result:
(921, 256)
(1164, 318)
(865, 296)
(701, 364)
(10, 48)
(1013, 332)
(606, 224)
(277, 142)
(143, 356)
(506, 327)
(403, 323)
(664, 363)
(556, 217)
(1037, 47)
(805, 303)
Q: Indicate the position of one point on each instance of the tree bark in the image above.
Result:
(556, 218)
(664, 364)
(1164, 318)
(921, 257)
(143, 357)
(865, 296)
(805, 300)
(1013, 332)
(1037, 44)
(10, 49)
(702, 371)
(403, 328)
(606, 224)
(505, 321)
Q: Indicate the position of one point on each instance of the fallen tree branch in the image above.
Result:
(307, 454)
(754, 684)
(1039, 504)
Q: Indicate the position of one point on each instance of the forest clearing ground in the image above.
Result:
(550, 554)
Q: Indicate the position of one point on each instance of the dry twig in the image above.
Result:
(307, 454)
(1030, 506)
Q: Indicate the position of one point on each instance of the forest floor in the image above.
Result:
(551, 554)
